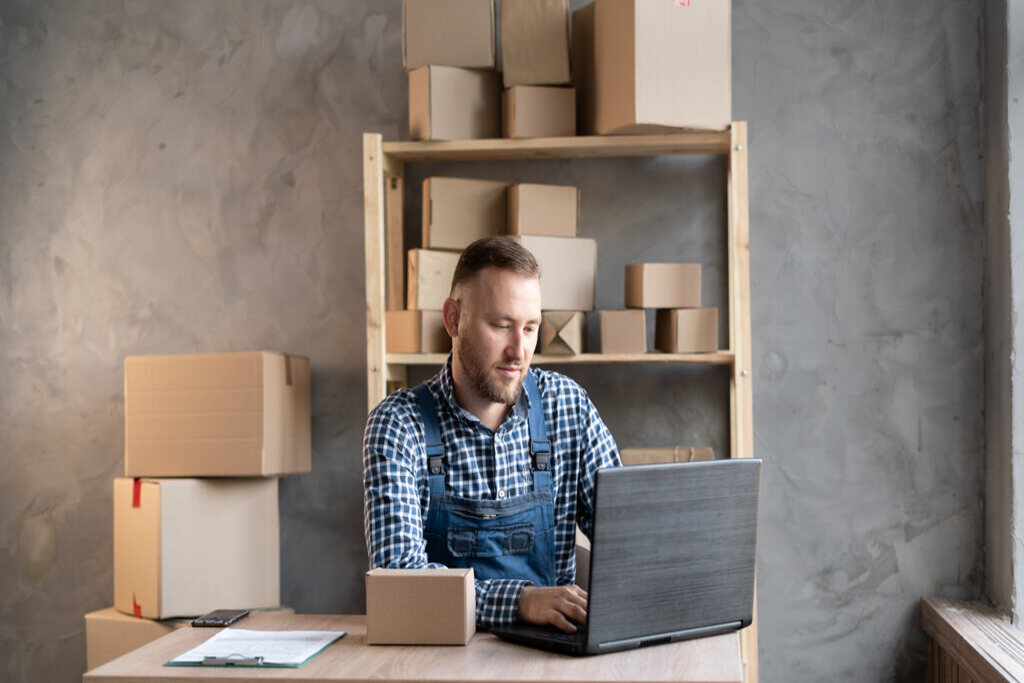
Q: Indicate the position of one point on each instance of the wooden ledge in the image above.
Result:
(982, 641)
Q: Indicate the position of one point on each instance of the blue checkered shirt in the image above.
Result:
(480, 464)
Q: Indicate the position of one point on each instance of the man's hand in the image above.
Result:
(554, 605)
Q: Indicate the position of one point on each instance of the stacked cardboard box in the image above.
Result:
(647, 67)
(448, 51)
(537, 101)
(674, 290)
(196, 523)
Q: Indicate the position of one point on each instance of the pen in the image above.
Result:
(232, 660)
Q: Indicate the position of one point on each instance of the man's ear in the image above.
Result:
(450, 312)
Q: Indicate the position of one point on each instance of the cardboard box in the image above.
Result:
(663, 285)
(416, 332)
(647, 456)
(583, 69)
(563, 333)
(420, 606)
(623, 331)
(448, 33)
(657, 65)
(532, 111)
(535, 42)
(184, 547)
(216, 414)
(110, 634)
(449, 103)
(552, 210)
(568, 270)
(430, 278)
(686, 330)
(459, 211)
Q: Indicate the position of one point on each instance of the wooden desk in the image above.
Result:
(486, 658)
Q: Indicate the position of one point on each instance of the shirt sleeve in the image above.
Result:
(394, 514)
(598, 451)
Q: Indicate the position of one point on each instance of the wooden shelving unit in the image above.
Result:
(384, 187)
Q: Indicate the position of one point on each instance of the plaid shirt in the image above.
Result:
(481, 465)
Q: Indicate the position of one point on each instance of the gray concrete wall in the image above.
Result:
(186, 176)
(999, 553)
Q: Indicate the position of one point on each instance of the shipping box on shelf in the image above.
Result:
(448, 33)
(420, 606)
(630, 87)
(663, 285)
(417, 332)
(686, 330)
(623, 331)
(648, 456)
(551, 210)
(216, 414)
(183, 547)
(458, 211)
(430, 278)
(535, 42)
(449, 103)
(534, 111)
(563, 333)
(110, 634)
(568, 267)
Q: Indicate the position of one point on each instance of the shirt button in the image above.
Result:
(501, 493)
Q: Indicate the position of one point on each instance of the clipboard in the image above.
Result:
(248, 648)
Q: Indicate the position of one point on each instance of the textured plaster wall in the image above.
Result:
(186, 176)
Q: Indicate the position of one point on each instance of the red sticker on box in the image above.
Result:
(137, 493)
(682, 3)
(136, 607)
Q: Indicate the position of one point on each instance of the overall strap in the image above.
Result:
(432, 439)
(540, 447)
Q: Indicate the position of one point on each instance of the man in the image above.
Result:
(489, 464)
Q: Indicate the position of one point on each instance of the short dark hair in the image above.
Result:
(497, 252)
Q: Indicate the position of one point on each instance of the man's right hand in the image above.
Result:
(553, 605)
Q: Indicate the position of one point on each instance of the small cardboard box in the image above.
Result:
(110, 634)
(647, 456)
(686, 330)
(430, 278)
(563, 333)
(184, 547)
(623, 331)
(448, 33)
(458, 211)
(552, 210)
(416, 332)
(663, 285)
(449, 103)
(420, 606)
(568, 269)
(533, 111)
(216, 415)
(633, 90)
(535, 42)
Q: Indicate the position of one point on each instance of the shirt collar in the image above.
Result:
(446, 385)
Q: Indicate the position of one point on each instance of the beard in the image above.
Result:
(497, 390)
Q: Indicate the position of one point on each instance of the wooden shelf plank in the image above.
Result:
(562, 148)
(718, 358)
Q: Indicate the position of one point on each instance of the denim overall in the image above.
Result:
(513, 538)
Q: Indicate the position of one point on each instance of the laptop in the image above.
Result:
(672, 558)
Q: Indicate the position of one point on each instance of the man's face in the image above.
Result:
(499, 316)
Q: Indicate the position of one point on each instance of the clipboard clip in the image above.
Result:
(232, 660)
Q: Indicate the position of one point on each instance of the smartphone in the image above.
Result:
(220, 617)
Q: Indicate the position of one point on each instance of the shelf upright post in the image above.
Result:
(373, 205)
